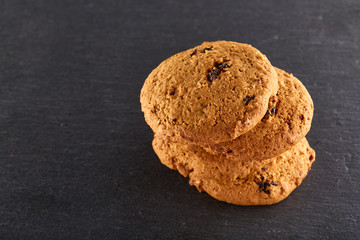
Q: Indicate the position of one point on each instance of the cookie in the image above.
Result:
(286, 122)
(238, 182)
(212, 93)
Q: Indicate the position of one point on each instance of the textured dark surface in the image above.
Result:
(75, 153)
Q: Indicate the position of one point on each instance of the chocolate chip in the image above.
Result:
(263, 169)
(194, 52)
(174, 119)
(213, 74)
(223, 65)
(274, 183)
(266, 185)
(263, 185)
(273, 111)
(248, 99)
(229, 151)
(301, 117)
(206, 49)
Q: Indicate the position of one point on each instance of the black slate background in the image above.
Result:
(75, 152)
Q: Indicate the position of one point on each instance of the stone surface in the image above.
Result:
(76, 159)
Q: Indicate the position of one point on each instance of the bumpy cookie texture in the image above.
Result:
(212, 93)
(287, 121)
(242, 183)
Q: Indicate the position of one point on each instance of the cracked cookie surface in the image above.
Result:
(242, 183)
(209, 94)
(286, 122)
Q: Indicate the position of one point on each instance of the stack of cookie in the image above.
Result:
(234, 124)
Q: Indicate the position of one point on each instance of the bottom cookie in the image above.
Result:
(242, 183)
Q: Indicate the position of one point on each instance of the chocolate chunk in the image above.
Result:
(301, 117)
(248, 99)
(263, 185)
(274, 183)
(213, 74)
(265, 190)
(194, 52)
(206, 49)
(273, 111)
(223, 65)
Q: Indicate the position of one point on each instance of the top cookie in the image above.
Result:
(287, 121)
(212, 93)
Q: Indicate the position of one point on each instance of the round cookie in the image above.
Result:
(287, 120)
(242, 183)
(212, 93)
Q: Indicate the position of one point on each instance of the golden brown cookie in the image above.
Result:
(287, 120)
(237, 182)
(212, 93)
